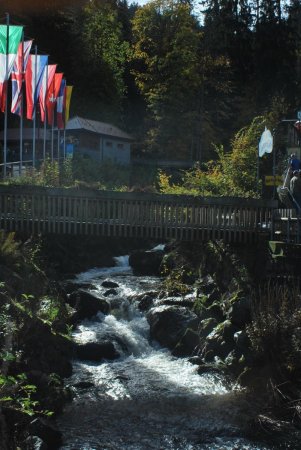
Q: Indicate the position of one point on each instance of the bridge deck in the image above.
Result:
(101, 213)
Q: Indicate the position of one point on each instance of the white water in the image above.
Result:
(147, 399)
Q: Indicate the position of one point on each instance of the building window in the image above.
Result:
(120, 145)
(109, 144)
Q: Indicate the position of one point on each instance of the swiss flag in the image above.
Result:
(52, 95)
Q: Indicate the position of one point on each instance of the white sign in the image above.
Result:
(265, 143)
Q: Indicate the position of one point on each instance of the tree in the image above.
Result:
(166, 70)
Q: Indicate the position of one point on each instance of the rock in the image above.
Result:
(177, 301)
(47, 432)
(209, 368)
(220, 341)
(188, 344)
(87, 304)
(110, 292)
(207, 285)
(207, 326)
(96, 351)
(144, 300)
(45, 351)
(240, 312)
(197, 360)
(146, 262)
(34, 443)
(169, 323)
(242, 341)
(109, 284)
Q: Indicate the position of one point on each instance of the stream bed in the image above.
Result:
(147, 398)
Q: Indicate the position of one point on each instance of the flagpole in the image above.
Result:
(52, 143)
(64, 140)
(58, 145)
(34, 109)
(6, 100)
(45, 116)
(21, 106)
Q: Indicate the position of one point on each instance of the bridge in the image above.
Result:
(42, 210)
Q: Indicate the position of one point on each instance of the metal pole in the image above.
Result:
(45, 116)
(6, 100)
(34, 111)
(274, 165)
(58, 145)
(21, 111)
(52, 143)
(64, 140)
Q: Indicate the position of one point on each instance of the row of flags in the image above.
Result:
(45, 88)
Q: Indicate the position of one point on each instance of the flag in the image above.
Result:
(17, 76)
(33, 79)
(47, 78)
(13, 34)
(60, 105)
(52, 96)
(265, 143)
(67, 102)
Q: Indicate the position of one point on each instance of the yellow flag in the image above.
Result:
(68, 100)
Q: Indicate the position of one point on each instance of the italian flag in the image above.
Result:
(10, 37)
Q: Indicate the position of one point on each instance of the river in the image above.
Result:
(146, 399)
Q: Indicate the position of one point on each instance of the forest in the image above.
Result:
(182, 76)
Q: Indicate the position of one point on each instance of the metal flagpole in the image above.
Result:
(6, 100)
(34, 111)
(45, 116)
(52, 143)
(64, 140)
(21, 106)
(58, 145)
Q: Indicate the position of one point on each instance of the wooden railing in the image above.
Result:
(101, 213)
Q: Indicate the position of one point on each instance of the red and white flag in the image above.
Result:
(46, 80)
(52, 95)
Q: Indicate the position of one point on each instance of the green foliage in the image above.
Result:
(16, 393)
(9, 248)
(232, 174)
(275, 332)
(165, 52)
(175, 281)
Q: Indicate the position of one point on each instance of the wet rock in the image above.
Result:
(196, 360)
(169, 323)
(188, 344)
(209, 368)
(110, 292)
(46, 431)
(207, 326)
(178, 301)
(96, 351)
(145, 300)
(34, 443)
(109, 284)
(146, 262)
(220, 341)
(87, 304)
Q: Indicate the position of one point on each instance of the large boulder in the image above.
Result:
(87, 304)
(47, 432)
(96, 351)
(168, 324)
(240, 312)
(45, 351)
(146, 262)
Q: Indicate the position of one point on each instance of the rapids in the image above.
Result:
(146, 399)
